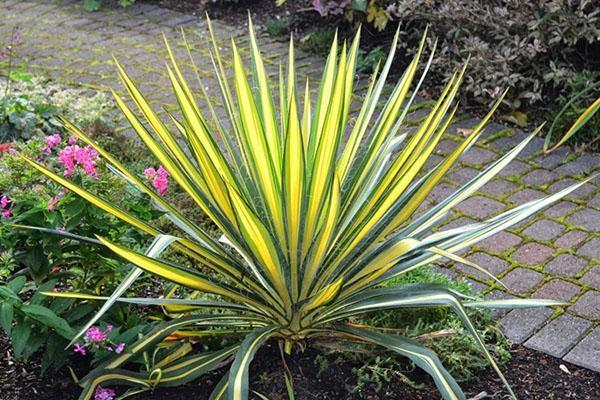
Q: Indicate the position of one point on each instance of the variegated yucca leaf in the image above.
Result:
(317, 208)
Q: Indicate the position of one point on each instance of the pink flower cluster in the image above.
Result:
(5, 207)
(104, 393)
(51, 142)
(96, 338)
(158, 178)
(73, 155)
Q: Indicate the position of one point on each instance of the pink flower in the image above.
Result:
(65, 157)
(5, 207)
(94, 335)
(79, 349)
(158, 178)
(104, 393)
(72, 140)
(51, 142)
(72, 156)
(119, 348)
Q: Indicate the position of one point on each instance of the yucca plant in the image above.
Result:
(316, 208)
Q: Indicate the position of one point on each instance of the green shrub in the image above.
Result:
(95, 5)
(534, 47)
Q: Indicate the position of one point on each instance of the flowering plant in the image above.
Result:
(96, 339)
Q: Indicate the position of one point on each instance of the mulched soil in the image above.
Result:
(534, 376)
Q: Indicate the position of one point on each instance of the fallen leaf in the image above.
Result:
(516, 117)
(564, 369)
(464, 131)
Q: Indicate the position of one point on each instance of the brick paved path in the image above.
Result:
(554, 255)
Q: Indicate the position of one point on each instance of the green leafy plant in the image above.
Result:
(312, 224)
(276, 27)
(95, 5)
(36, 323)
(20, 119)
(577, 109)
(367, 62)
(7, 265)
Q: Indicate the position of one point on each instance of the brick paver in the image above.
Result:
(554, 254)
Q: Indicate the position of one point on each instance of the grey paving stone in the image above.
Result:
(525, 196)
(498, 187)
(463, 175)
(468, 123)
(557, 289)
(478, 156)
(587, 352)
(519, 325)
(591, 249)
(588, 305)
(571, 240)
(521, 280)
(580, 193)
(560, 210)
(544, 230)
(535, 146)
(500, 242)
(441, 192)
(446, 146)
(583, 164)
(566, 265)
(432, 161)
(515, 167)
(587, 218)
(493, 265)
(592, 278)
(553, 159)
(477, 287)
(560, 335)
(595, 202)
(539, 177)
(532, 253)
(510, 141)
(480, 207)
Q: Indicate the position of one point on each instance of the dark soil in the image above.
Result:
(534, 376)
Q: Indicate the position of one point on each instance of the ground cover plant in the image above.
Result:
(312, 224)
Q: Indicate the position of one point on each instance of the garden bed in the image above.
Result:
(534, 376)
